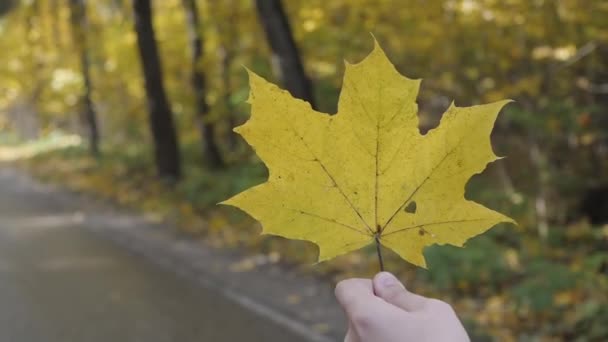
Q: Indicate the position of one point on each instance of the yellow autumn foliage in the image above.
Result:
(342, 181)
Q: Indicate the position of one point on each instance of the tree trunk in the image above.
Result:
(166, 147)
(225, 53)
(225, 58)
(79, 30)
(286, 61)
(212, 153)
(6, 6)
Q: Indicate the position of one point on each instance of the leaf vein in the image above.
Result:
(350, 203)
(329, 220)
(400, 230)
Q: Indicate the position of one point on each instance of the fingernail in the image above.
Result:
(388, 280)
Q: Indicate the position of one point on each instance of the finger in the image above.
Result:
(366, 311)
(351, 334)
(389, 288)
(351, 292)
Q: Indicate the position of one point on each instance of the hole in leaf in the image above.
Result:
(410, 208)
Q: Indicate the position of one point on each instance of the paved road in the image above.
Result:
(60, 282)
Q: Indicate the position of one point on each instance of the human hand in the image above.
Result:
(383, 310)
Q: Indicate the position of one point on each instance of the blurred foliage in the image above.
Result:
(545, 280)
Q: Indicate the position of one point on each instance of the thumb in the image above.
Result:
(389, 288)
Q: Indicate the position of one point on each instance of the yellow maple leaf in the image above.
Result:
(367, 175)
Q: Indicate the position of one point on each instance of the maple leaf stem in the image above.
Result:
(379, 251)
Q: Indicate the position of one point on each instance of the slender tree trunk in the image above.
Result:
(89, 110)
(600, 97)
(55, 8)
(225, 58)
(162, 126)
(225, 54)
(30, 120)
(6, 6)
(212, 153)
(286, 60)
(80, 34)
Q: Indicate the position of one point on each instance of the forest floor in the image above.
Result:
(73, 268)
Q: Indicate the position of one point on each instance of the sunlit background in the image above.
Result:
(545, 280)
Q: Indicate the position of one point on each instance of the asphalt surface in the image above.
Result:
(61, 282)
